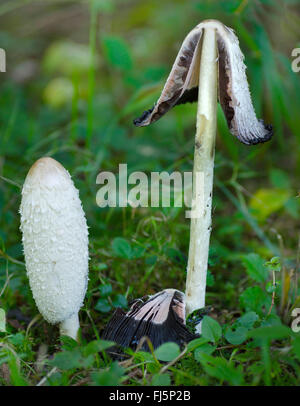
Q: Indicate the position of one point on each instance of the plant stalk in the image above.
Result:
(206, 128)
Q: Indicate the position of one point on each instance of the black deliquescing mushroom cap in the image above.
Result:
(161, 318)
(234, 96)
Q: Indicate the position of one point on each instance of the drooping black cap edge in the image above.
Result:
(181, 80)
(237, 105)
(255, 131)
(138, 122)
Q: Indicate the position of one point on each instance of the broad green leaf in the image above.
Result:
(161, 380)
(117, 52)
(254, 265)
(167, 352)
(276, 332)
(197, 342)
(67, 360)
(105, 290)
(248, 320)
(143, 356)
(267, 201)
(137, 251)
(17, 339)
(255, 299)
(211, 329)
(103, 306)
(176, 255)
(119, 301)
(221, 369)
(271, 320)
(292, 206)
(97, 346)
(68, 343)
(237, 336)
(122, 248)
(111, 377)
(274, 264)
(101, 266)
(205, 348)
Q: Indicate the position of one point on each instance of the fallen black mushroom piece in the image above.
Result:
(161, 318)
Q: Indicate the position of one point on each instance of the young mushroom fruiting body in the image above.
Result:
(209, 66)
(55, 241)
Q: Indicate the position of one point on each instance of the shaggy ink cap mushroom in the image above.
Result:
(234, 95)
(209, 67)
(55, 241)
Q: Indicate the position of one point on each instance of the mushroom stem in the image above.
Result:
(204, 165)
(69, 327)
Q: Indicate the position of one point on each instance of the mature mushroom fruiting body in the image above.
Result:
(55, 241)
(209, 66)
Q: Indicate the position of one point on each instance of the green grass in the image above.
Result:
(246, 340)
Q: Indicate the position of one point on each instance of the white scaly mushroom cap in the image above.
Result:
(55, 240)
(182, 84)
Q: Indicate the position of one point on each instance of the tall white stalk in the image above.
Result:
(203, 164)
